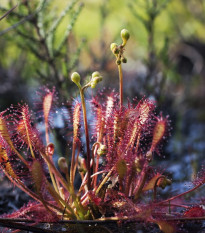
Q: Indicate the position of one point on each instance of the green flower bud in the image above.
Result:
(102, 150)
(114, 48)
(125, 35)
(75, 77)
(164, 182)
(63, 165)
(50, 149)
(118, 62)
(124, 60)
(169, 182)
(82, 170)
(96, 78)
(95, 74)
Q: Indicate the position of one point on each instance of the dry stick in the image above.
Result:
(101, 220)
(15, 225)
(29, 17)
(8, 12)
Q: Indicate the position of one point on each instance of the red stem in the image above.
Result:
(181, 194)
(87, 138)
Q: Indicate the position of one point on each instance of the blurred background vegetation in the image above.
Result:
(42, 42)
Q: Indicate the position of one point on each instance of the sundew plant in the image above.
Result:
(117, 179)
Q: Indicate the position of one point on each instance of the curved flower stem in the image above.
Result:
(95, 165)
(155, 186)
(141, 181)
(121, 85)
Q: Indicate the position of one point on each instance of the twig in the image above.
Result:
(17, 24)
(8, 12)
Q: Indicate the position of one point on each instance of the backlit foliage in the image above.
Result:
(116, 171)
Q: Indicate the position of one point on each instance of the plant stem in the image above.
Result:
(155, 187)
(72, 165)
(141, 182)
(49, 167)
(104, 180)
(47, 134)
(181, 194)
(87, 137)
(56, 172)
(95, 165)
(121, 84)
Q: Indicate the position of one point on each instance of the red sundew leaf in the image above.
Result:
(165, 226)
(158, 132)
(196, 211)
(34, 211)
(76, 120)
(109, 106)
(6, 136)
(121, 168)
(145, 108)
(26, 133)
(5, 163)
(151, 183)
(4, 132)
(100, 119)
(45, 104)
(37, 175)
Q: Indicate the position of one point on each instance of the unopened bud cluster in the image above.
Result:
(118, 50)
(95, 79)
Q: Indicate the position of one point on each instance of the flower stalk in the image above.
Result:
(115, 175)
